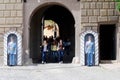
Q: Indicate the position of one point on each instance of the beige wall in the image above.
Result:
(11, 17)
(94, 11)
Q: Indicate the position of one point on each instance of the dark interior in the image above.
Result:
(107, 42)
(65, 21)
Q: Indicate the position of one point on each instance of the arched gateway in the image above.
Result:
(65, 21)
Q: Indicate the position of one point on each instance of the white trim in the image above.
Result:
(19, 46)
(82, 56)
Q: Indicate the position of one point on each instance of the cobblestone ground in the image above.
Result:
(59, 72)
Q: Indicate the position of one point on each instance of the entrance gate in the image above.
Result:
(65, 22)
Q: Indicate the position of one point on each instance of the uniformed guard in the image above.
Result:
(12, 52)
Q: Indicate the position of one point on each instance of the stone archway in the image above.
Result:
(63, 17)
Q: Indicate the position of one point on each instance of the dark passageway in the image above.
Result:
(65, 21)
(107, 42)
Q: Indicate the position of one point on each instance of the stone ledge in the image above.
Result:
(90, 24)
(9, 26)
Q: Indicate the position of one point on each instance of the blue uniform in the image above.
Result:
(89, 50)
(12, 51)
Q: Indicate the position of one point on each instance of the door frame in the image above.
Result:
(117, 41)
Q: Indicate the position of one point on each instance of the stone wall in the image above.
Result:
(93, 12)
(11, 18)
(96, 11)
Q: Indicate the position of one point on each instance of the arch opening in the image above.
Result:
(65, 21)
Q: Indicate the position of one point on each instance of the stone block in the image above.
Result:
(95, 29)
(94, 0)
(108, 0)
(83, 29)
(93, 19)
(99, 5)
(105, 5)
(9, 6)
(2, 6)
(112, 5)
(9, 20)
(82, 5)
(102, 19)
(1, 1)
(84, 19)
(101, 0)
(92, 5)
(20, 30)
(83, 12)
(103, 12)
(13, 28)
(19, 6)
(6, 25)
(89, 0)
(19, 1)
(6, 1)
(116, 12)
(19, 13)
(18, 20)
(12, 1)
(88, 27)
(96, 12)
(90, 24)
(1, 14)
(6, 13)
(110, 12)
(7, 29)
(87, 5)
(17, 25)
(13, 13)
(113, 18)
(90, 12)
(2, 20)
